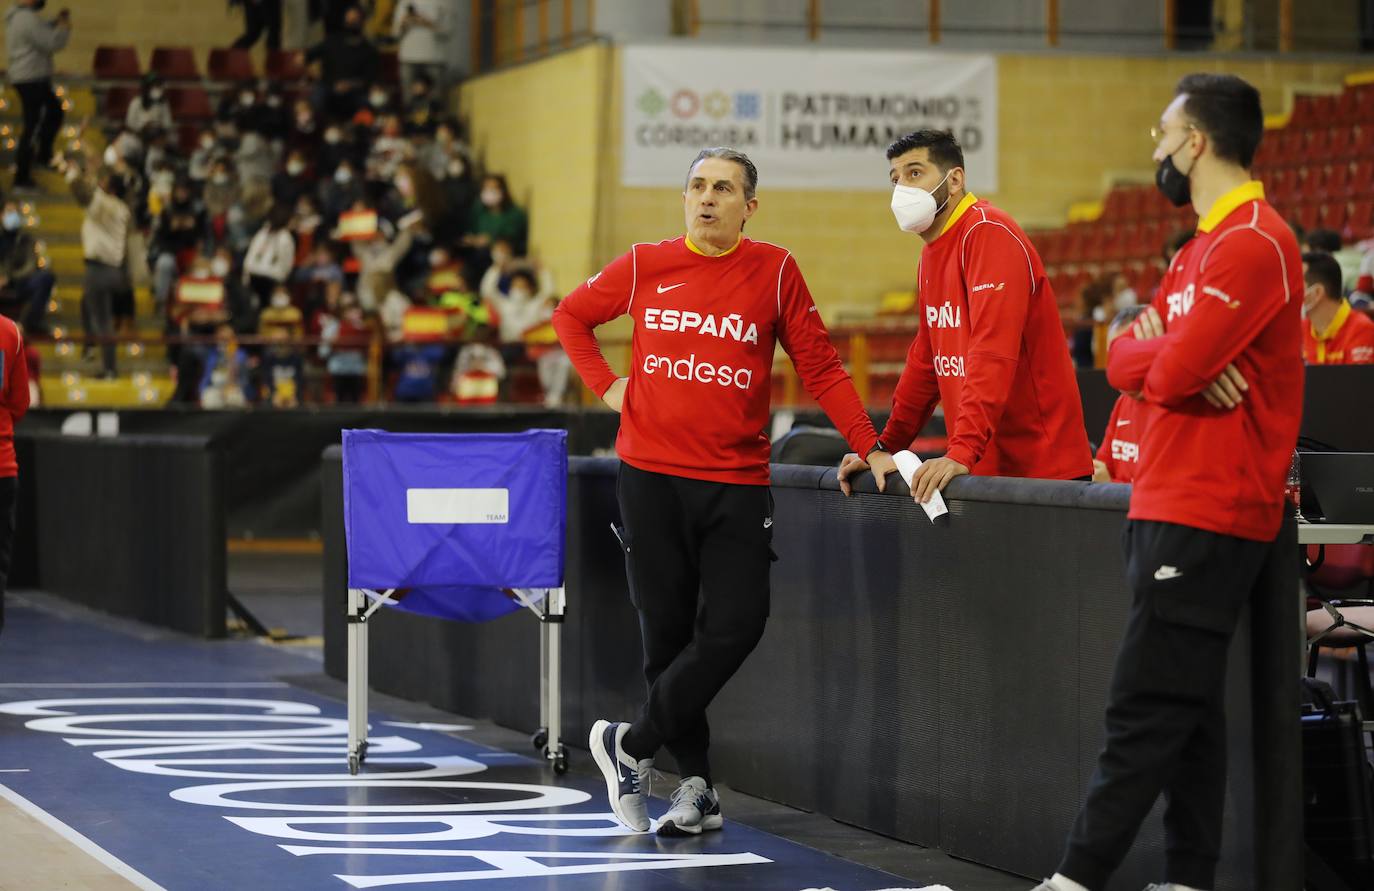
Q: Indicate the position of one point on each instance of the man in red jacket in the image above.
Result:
(990, 347)
(1119, 453)
(693, 489)
(14, 402)
(1333, 333)
(1217, 359)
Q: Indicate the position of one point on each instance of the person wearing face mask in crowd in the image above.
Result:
(1123, 293)
(345, 338)
(446, 146)
(177, 236)
(495, 216)
(104, 244)
(1332, 332)
(256, 160)
(422, 28)
(203, 157)
(694, 475)
(293, 181)
(195, 320)
(340, 192)
(221, 190)
(240, 107)
(459, 191)
(390, 149)
(270, 258)
(377, 261)
(305, 225)
(422, 107)
(22, 282)
(1217, 360)
(344, 64)
(990, 348)
(321, 281)
(304, 133)
(149, 110)
(276, 115)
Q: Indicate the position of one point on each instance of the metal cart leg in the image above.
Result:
(357, 680)
(553, 699)
(540, 739)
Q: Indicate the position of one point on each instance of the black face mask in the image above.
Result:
(1172, 182)
(38, 6)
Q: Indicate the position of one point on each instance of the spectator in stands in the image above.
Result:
(446, 147)
(520, 295)
(30, 43)
(379, 102)
(23, 284)
(345, 63)
(377, 259)
(259, 17)
(1123, 293)
(336, 147)
(1333, 333)
(422, 29)
(418, 366)
(392, 312)
(104, 244)
(149, 111)
(177, 235)
(294, 181)
(305, 226)
(227, 381)
(344, 348)
(256, 160)
(1090, 309)
(423, 108)
(188, 359)
(201, 164)
(305, 132)
(241, 108)
(1119, 452)
(280, 374)
(496, 216)
(222, 192)
(322, 284)
(275, 114)
(460, 193)
(340, 192)
(390, 149)
(270, 258)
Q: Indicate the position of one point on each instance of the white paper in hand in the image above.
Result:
(907, 465)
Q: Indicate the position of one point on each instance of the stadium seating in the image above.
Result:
(175, 63)
(116, 63)
(234, 65)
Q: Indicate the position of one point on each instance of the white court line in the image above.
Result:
(15, 770)
(156, 684)
(76, 838)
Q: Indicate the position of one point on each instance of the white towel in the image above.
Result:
(907, 464)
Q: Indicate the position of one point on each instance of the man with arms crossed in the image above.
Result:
(693, 485)
(990, 347)
(1217, 359)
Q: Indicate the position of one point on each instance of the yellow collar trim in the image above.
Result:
(1342, 313)
(1251, 191)
(960, 209)
(696, 250)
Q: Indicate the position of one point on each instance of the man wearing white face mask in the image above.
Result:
(990, 347)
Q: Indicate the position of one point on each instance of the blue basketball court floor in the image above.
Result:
(186, 764)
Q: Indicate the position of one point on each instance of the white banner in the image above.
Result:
(809, 118)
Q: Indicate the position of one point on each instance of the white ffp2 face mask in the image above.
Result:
(914, 208)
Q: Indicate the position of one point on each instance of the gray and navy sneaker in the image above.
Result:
(696, 809)
(627, 780)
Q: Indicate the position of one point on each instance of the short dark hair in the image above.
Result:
(1322, 269)
(1227, 109)
(1127, 316)
(751, 173)
(1327, 240)
(945, 150)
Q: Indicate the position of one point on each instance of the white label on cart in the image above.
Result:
(470, 506)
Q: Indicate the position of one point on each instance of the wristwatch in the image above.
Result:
(878, 447)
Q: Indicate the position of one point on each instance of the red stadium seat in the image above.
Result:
(285, 66)
(175, 63)
(117, 100)
(1364, 103)
(233, 65)
(1303, 112)
(1359, 221)
(1363, 142)
(116, 63)
(1324, 110)
(188, 137)
(1362, 178)
(189, 104)
(1341, 143)
(1318, 143)
(1337, 183)
(1331, 215)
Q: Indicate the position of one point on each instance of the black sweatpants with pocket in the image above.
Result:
(697, 555)
(1166, 722)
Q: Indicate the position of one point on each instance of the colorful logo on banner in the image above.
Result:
(809, 119)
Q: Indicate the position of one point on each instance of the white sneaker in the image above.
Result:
(627, 780)
(696, 808)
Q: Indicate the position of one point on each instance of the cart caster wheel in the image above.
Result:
(540, 739)
(560, 763)
(353, 765)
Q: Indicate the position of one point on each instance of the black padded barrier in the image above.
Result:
(942, 684)
(131, 525)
